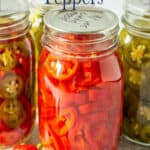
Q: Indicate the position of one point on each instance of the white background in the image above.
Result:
(114, 5)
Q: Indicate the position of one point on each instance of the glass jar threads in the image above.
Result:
(38, 10)
(80, 80)
(135, 54)
(16, 75)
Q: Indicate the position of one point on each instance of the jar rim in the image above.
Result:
(16, 25)
(137, 15)
(93, 20)
(137, 31)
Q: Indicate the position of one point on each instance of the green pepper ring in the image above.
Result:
(12, 113)
(8, 63)
(20, 47)
(11, 86)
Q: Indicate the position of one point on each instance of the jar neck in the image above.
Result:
(137, 23)
(80, 45)
(14, 26)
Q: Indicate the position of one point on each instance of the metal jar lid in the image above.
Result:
(137, 14)
(84, 20)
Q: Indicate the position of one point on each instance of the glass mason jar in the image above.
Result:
(16, 76)
(80, 80)
(135, 54)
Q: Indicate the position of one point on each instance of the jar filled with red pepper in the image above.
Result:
(80, 80)
(16, 74)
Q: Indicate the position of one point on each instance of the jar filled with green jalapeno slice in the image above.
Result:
(135, 55)
(17, 68)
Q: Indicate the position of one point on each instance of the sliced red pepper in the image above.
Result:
(43, 55)
(60, 69)
(65, 142)
(48, 109)
(90, 73)
(55, 140)
(66, 119)
(24, 63)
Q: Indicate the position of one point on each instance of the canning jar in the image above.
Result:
(80, 80)
(16, 75)
(135, 54)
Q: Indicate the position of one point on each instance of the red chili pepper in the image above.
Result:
(25, 147)
(24, 63)
(64, 121)
(90, 73)
(60, 69)
(43, 55)
(54, 139)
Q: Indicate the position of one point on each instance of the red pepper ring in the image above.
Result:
(61, 69)
(64, 122)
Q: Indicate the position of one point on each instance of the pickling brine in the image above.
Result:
(80, 84)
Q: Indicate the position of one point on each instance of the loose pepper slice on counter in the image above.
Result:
(25, 147)
(61, 69)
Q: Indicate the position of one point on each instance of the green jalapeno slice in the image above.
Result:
(12, 113)
(22, 48)
(11, 86)
(7, 60)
